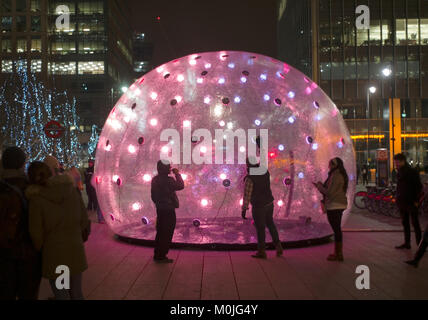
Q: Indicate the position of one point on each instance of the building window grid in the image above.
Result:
(403, 70)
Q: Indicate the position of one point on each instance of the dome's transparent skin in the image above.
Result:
(305, 131)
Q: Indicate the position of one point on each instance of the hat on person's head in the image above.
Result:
(13, 158)
(52, 163)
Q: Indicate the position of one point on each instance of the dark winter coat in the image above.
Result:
(15, 240)
(163, 191)
(409, 186)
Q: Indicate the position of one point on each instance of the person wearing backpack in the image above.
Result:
(59, 226)
(163, 194)
(20, 264)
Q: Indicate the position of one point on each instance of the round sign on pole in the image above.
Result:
(54, 129)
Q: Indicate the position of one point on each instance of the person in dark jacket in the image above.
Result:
(163, 193)
(409, 188)
(259, 194)
(90, 190)
(20, 264)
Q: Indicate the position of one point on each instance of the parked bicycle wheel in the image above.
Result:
(360, 200)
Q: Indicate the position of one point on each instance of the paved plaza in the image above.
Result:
(118, 270)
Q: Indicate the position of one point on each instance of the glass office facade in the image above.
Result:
(351, 60)
(78, 57)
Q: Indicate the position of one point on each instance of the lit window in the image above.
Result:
(6, 24)
(91, 67)
(62, 67)
(21, 45)
(36, 45)
(35, 6)
(6, 45)
(6, 66)
(36, 66)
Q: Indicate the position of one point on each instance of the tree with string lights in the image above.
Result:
(27, 105)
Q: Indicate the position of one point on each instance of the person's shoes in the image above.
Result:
(413, 263)
(259, 255)
(338, 253)
(279, 250)
(403, 246)
(163, 260)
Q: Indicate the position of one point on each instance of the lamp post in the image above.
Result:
(387, 72)
(370, 90)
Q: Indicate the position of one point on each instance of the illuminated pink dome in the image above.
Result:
(230, 91)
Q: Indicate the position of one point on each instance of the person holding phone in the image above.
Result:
(335, 202)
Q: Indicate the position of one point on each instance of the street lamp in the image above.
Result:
(387, 72)
(370, 90)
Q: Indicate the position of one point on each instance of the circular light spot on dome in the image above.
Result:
(218, 110)
(223, 176)
(263, 77)
(192, 62)
(200, 80)
(108, 148)
(281, 147)
(165, 149)
(147, 177)
(230, 125)
(301, 175)
(315, 146)
(187, 123)
(280, 203)
(291, 94)
(154, 122)
(221, 81)
(136, 206)
(204, 202)
(207, 100)
(222, 123)
(231, 65)
(204, 149)
(237, 99)
(132, 149)
(243, 79)
(154, 95)
(180, 78)
(257, 122)
(291, 119)
(207, 65)
(266, 97)
(242, 149)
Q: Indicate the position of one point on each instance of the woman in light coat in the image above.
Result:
(58, 222)
(335, 202)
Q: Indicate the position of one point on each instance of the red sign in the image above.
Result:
(54, 130)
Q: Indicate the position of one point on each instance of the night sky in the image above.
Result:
(191, 26)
